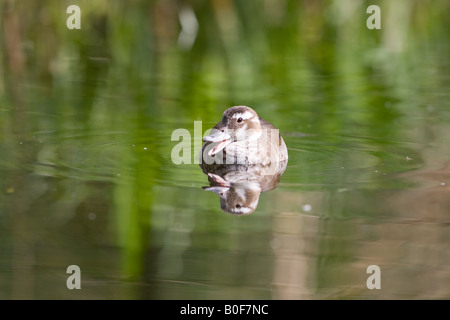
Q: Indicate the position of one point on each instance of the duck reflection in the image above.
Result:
(239, 186)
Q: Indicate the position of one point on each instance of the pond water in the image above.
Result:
(87, 176)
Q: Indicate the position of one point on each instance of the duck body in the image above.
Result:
(242, 138)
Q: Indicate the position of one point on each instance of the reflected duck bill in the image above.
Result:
(218, 190)
(223, 185)
(219, 180)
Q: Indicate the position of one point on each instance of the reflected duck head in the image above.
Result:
(238, 123)
(235, 198)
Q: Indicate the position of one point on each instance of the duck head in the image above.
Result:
(239, 123)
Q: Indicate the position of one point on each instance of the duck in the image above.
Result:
(241, 137)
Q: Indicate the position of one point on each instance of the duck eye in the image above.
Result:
(239, 120)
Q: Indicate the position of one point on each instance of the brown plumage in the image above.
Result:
(242, 137)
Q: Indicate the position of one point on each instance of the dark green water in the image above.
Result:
(87, 178)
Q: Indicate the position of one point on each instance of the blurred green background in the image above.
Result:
(86, 176)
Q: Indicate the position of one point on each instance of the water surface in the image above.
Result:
(87, 178)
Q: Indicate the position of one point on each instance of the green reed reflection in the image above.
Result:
(86, 118)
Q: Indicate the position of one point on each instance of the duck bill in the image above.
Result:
(219, 190)
(222, 138)
(219, 180)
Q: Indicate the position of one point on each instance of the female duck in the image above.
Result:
(243, 138)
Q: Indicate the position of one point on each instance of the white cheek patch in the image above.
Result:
(241, 193)
(244, 115)
(242, 210)
(254, 203)
(241, 133)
